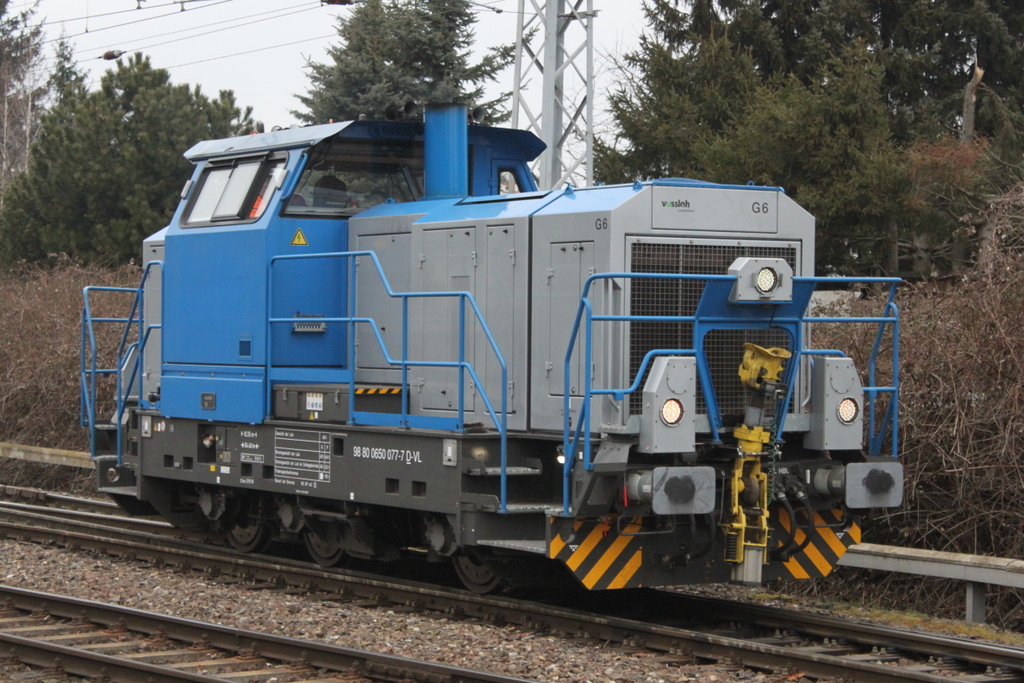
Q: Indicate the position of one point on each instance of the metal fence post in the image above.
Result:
(976, 602)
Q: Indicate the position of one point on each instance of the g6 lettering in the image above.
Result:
(601, 224)
(759, 207)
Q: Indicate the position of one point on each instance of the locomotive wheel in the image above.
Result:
(249, 536)
(324, 544)
(475, 573)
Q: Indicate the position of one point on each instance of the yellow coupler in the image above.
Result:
(746, 520)
(759, 365)
(831, 531)
(748, 491)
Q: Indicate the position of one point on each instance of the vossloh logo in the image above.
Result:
(681, 204)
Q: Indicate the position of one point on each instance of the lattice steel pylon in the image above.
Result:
(564, 59)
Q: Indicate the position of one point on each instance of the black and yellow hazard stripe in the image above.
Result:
(379, 390)
(599, 556)
(826, 546)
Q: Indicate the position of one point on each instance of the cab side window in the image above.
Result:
(507, 182)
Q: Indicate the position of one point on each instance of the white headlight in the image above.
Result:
(766, 281)
(671, 412)
(847, 411)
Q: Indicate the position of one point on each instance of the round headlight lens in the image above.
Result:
(767, 280)
(848, 410)
(671, 411)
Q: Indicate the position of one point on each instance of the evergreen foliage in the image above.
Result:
(856, 108)
(392, 52)
(829, 145)
(66, 80)
(107, 168)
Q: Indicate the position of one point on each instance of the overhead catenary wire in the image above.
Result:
(248, 52)
(212, 3)
(280, 13)
(81, 54)
(225, 28)
(312, 3)
(188, 56)
(172, 3)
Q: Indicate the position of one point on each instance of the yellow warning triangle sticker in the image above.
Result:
(299, 240)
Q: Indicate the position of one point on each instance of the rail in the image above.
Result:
(266, 656)
(713, 312)
(89, 357)
(405, 418)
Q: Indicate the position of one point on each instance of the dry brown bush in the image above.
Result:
(75, 481)
(961, 437)
(40, 310)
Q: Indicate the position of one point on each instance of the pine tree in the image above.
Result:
(66, 80)
(871, 111)
(392, 52)
(926, 49)
(672, 102)
(107, 168)
(828, 144)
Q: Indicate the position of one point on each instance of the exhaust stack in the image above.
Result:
(445, 151)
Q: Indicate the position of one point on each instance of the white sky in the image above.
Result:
(259, 48)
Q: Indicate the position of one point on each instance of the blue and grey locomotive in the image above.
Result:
(379, 338)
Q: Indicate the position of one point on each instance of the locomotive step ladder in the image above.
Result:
(106, 437)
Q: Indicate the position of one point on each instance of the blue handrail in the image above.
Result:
(136, 316)
(87, 413)
(405, 419)
(793, 325)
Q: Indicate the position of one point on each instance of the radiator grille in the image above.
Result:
(724, 348)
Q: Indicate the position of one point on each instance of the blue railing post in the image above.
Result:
(405, 361)
(462, 360)
(350, 354)
(588, 357)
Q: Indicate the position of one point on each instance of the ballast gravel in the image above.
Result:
(466, 643)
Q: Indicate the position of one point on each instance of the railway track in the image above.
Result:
(113, 643)
(102, 513)
(701, 629)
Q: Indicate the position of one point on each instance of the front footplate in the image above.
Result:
(629, 552)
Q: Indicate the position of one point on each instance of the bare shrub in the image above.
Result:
(961, 438)
(40, 310)
(69, 480)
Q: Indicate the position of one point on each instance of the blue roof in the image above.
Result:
(528, 145)
(264, 142)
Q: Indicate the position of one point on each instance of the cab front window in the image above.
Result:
(234, 191)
